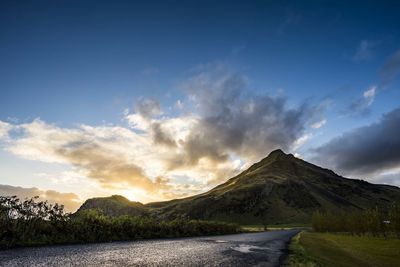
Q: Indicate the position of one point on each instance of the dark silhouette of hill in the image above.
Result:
(279, 189)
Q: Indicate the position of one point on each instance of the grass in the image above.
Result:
(253, 228)
(260, 228)
(337, 250)
(298, 256)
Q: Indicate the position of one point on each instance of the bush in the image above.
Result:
(31, 222)
(375, 222)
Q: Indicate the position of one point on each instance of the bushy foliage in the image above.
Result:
(32, 222)
(375, 222)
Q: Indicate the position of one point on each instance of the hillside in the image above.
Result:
(115, 205)
(279, 189)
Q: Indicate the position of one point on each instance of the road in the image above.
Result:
(252, 249)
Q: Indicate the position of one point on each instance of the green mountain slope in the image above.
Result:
(114, 206)
(279, 189)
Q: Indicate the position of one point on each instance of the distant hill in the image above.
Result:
(279, 189)
(114, 206)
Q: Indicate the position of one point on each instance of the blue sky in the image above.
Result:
(91, 63)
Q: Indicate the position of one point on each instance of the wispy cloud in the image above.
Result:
(318, 124)
(5, 127)
(361, 105)
(364, 51)
(148, 108)
(391, 69)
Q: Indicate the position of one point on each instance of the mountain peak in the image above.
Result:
(278, 189)
(273, 156)
(277, 152)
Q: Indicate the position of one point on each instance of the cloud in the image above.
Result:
(222, 129)
(227, 122)
(116, 158)
(148, 108)
(106, 166)
(390, 178)
(234, 122)
(390, 69)
(367, 150)
(361, 105)
(100, 153)
(364, 50)
(302, 140)
(179, 105)
(70, 201)
(160, 136)
(4, 129)
(318, 124)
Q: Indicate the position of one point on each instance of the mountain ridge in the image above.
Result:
(280, 188)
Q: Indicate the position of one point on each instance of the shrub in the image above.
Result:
(32, 222)
(375, 222)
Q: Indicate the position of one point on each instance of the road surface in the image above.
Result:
(253, 249)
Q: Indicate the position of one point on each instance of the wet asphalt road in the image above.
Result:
(254, 249)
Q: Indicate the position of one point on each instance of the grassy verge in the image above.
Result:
(298, 257)
(260, 228)
(322, 249)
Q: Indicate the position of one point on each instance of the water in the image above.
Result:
(255, 249)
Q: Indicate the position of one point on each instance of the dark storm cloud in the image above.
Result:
(365, 150)
(245, 124)
(390, 69)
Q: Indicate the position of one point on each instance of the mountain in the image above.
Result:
(114, 206)
(279, 189)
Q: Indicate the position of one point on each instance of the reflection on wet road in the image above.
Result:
(254, 249)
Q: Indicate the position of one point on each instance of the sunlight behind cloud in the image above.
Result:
(144, 158)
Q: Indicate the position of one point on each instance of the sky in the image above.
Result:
(156, 100)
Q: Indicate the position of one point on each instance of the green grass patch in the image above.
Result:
(298, 257)
(289, 226)
(336, 250)
(260, 228)
(253, 228)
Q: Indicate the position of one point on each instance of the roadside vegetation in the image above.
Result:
(310, 249)
(298, 256)
(374, 222)
(358, 238)
(268, 227)
(32, 222)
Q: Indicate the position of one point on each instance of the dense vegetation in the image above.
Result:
(33, 222)
(375, 222)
